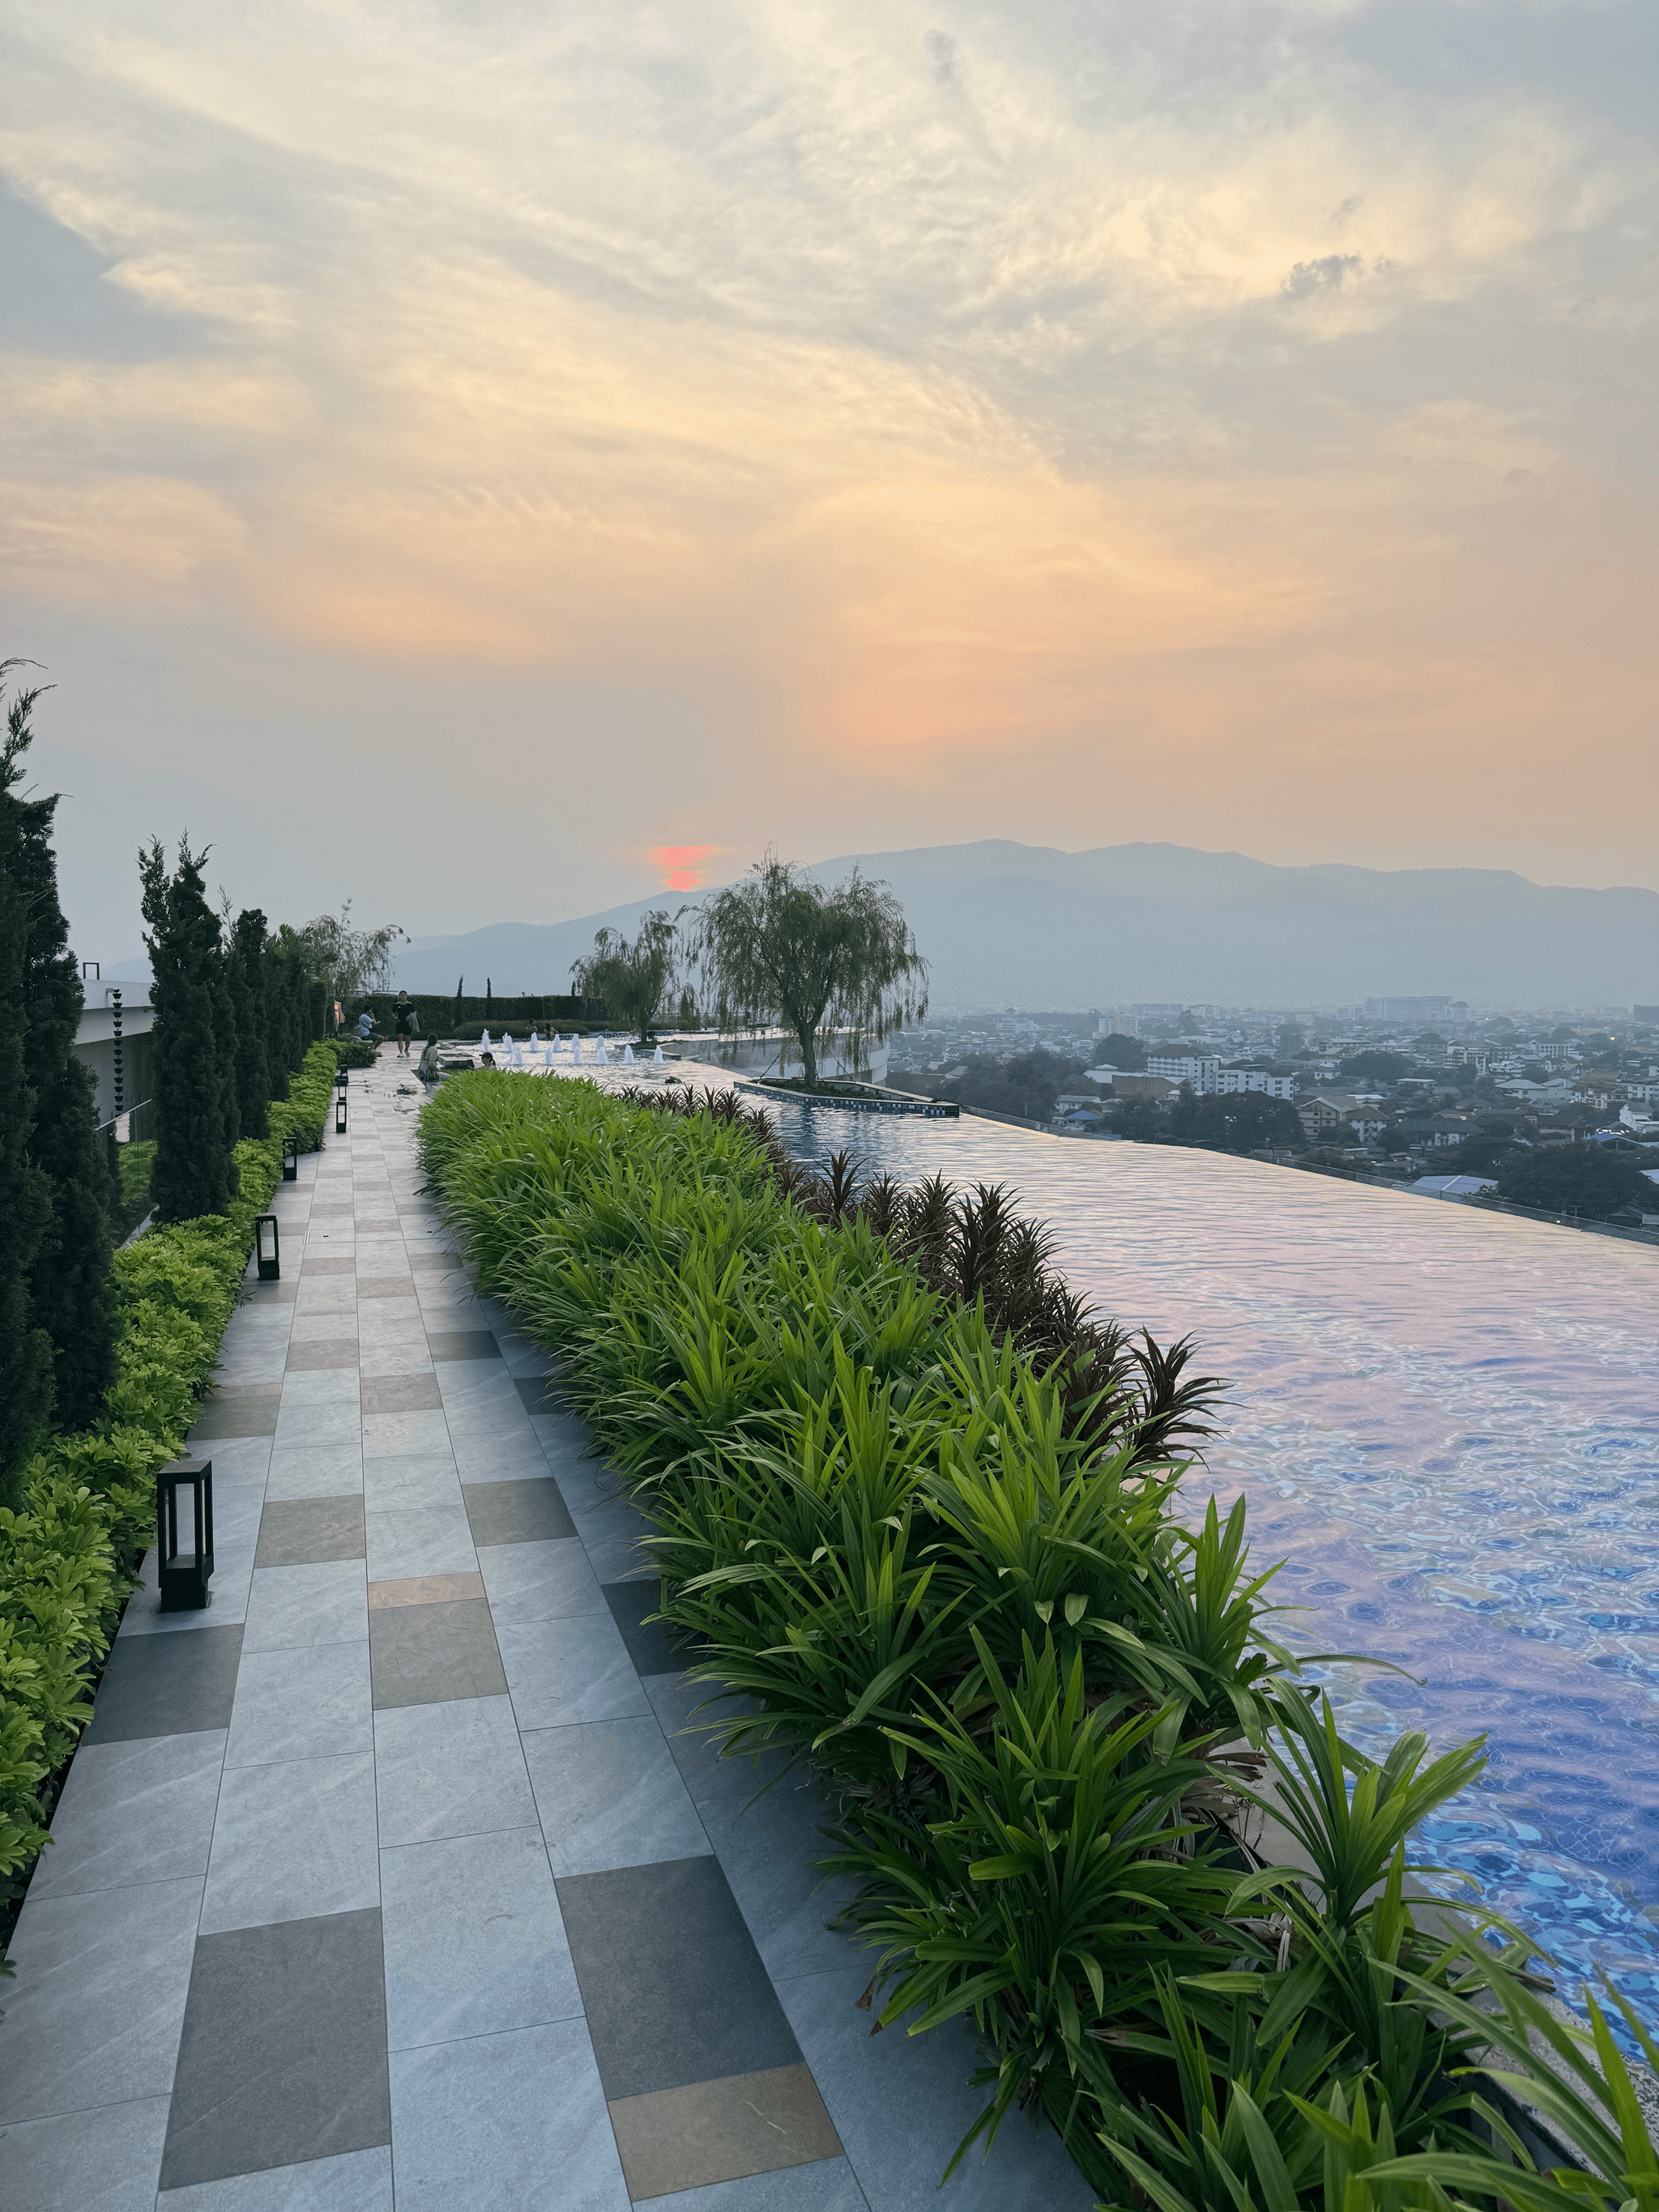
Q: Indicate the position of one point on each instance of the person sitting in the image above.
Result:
(428, 1069)
(366, 1027)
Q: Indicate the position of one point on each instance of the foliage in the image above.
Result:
(781, 948)
(632, 980)
(1374, 1066)
(247, 976)
(348, 961)
(1025, 1083)
(69, 1557)
(192, 1171)
(69, 1275)
(921, 1515)
(1126, 1052)
(353, 1052)
(1240, 1122)
(25, 1215)
(1586, 1178)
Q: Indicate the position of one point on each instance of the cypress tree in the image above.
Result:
(71, 1294)
(275, 975)
(191, 1174)
(225, 1035)
(248, 991)
(25, 1214)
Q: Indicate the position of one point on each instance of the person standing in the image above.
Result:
(403, 1014)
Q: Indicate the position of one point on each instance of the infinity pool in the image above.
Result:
(1447, 1424)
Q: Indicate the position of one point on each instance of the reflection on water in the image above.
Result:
(1447, 1424)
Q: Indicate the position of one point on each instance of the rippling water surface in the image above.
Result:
(1447, 1424)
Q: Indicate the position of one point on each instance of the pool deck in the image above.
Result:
(395, 1878)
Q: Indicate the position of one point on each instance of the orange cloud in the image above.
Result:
(681, 864)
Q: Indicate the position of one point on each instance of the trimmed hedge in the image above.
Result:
(1045, 1707)
(69, 1559)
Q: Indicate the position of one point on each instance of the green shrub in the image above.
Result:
(883, 1517)
(69, 1559)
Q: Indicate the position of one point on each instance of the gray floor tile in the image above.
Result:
(303, 1532)
(244, 1410)
(574, 1668)
(309, 1703)
(690, 1713)
(524, 1512)
(233, 1565)
(385, 1357)
(326, 1389)
(656, 1647)
(425, 1589)
(474, 1942)
(134, 1811)
(320, 1267)
(293, 1842)
(318, 1425)
(715, 2131)
(421, 1540)
(167, 1685)
(323, 1328)
(315, 1471)
(463, 1344)
(317, 1355)
(901, 2105)
(827, 2186)
(328, 1297)
(610, 1795)
(399, 1289)
(237, 1460)
(93, 2017)
(673, 1987)
(428, 1654)
(356, 2181)
(397, 1435)
(481, 2124)
(483, 1455)
(279, 1293)
(300, 2074)
(396, 1393)
(455, 1769)
(768, 1845)
(539, 1581)
(420, 1479)
(106, 2161)
(251, 1363)
(292, 1605)
(533, 1389)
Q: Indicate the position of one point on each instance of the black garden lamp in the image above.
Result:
(267, 1245)
(290, 1159)
(341, 1078)
(339, 1113)
(183, 1576)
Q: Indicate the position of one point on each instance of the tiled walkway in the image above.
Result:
(394, 1879)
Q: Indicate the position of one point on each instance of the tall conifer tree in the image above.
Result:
(71, 1295)
(25, 1213)
(247, 989)
(224, 1030)
(192, 1173)
(276, 1019)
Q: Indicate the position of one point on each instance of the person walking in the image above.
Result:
(404, 1015)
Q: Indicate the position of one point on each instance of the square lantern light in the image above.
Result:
(341, 1078)
(268, 1246)
(290, 1159)
(339, 1113)
(183, 1573)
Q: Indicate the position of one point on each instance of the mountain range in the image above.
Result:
(1003, 924)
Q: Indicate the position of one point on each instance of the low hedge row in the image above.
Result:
(69, 1559)
(1047, 1709)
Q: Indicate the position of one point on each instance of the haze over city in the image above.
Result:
(495, 464)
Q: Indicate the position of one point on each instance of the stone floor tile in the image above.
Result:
(401, 1392)
(691, 1714)
(320, 1355)
(610, 1795)
(425, 1589)
(491, 1454)
(428, 1654)
(251, 1364)
(232, 1569)
(716, 2131)
(356, 2181)
(656, 1647)
(308, 1703)
(395, 1287)
(335, 1294)
(237, 1460)
(328, 1388)
(167, 1685)
(828, 2185)
(301, 1532)
(417, 1479)
(901, 2105)
(395, 1435)
(104, 2160)
(539, 1581)
(318, 1267)
(134, 1811)
(315, 1471)
(463, 1344)
(268, 1297)
(293, 1842)
(418, 1540)
(474, 1942)
(93, 2017)
(314, 1328)
(300, 2074)
(769, 1845)
(289, 1607)
(318, 1425)
(522, 1512)
(573, 1667)
(384, 1359)
(240, 1410)
(479, 2126)
(478, 1385)
(673, 1987)
(449, 1770)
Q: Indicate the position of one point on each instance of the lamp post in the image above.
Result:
(339, 1113)
(267, 1245)
(182, 1576)
(290, 1158)
(342, 1077)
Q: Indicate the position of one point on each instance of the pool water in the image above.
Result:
(1447, 1425)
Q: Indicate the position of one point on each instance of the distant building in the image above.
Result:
(1181, 1068)
(1230, 1080)
(1416, 1009)
(1647, 1016)
(1158, 1088)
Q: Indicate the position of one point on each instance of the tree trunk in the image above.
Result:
(806, 1037)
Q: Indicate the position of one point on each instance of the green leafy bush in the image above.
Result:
(893, 1529)
(69, 1559)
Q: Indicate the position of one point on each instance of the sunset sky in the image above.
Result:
(487, 460)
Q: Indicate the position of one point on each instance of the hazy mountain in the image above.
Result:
(1007, 924)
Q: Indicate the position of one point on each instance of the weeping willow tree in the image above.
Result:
(632, 979)
(778, 950)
